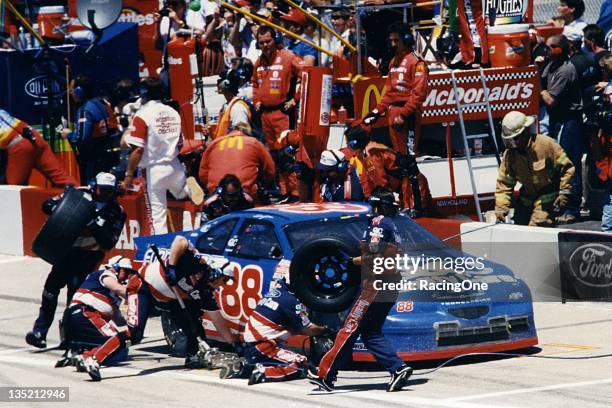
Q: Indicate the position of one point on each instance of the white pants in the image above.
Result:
(160, 179)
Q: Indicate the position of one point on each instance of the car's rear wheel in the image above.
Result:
(323, 275)
(63, 226)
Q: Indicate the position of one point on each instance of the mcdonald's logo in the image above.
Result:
(231, 142)
(365, 107)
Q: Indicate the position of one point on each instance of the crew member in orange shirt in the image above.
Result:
(238, 154)
(378, 165)
(406, 89)
(27, 150)
(273, 94)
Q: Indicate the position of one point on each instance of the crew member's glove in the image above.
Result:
(171, 275)
(407, 164)
(371, 117)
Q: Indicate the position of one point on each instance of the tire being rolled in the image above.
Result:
(64, 225)
(317, 260)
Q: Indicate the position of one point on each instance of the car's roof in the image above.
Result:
(299, 212)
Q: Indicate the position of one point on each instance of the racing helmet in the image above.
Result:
(117, 262)
(384, 201)
(516, 129)
(225, 271)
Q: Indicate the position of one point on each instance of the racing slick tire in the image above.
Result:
(323, 276)
(64, 225)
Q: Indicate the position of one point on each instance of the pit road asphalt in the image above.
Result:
(151, 378)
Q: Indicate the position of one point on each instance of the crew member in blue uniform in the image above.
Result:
(92, 312)
(277, 315)
(370, 310)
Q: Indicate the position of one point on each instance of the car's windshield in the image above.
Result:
(353, 227)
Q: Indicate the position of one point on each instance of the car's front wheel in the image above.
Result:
(323, 275)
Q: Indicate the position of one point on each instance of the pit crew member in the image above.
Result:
(406, 89)
(229, 196)
(379, 166)
(540, 165)
(340, 181)
(154, 139)
(94, 316)
(370, 310)
(27, 150)
(240, 154)
(273, 93)
(100, 235)
(195, 277)
(277, 315)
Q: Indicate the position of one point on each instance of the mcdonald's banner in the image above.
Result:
(509, 89)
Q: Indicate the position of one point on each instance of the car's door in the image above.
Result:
(255, 250)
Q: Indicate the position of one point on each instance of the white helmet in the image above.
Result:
(117, 262)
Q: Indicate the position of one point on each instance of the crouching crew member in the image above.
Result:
(382, 167)
(277, 315)
(540, 165)
(94, 315)
(370, 310)
(99, 235)
(229, 196)
(195, 279)
(340, 181)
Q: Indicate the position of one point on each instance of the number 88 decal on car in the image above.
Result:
(312, 245)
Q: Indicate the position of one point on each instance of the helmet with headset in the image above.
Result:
(333, 160)
(118, 261)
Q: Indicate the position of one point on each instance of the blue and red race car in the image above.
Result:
(312, 243)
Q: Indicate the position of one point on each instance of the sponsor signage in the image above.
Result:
(586, 265)
(506, 11)
(509, 89)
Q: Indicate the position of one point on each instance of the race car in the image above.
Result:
(446, 311)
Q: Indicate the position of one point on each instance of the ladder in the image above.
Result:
(461, 107)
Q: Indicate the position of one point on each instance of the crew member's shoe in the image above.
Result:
(195, 192)
(36, 339)
(79, 363)
(323, 384)
(93, 368)
(399, 378)
(258, 375)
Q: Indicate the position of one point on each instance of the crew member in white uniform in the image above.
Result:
(154, 138)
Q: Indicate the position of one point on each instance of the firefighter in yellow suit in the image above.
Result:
(542, 168)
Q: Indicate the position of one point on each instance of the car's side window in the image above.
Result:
(258, 239)
(213, 241)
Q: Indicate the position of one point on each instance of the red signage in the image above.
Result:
(509, 89)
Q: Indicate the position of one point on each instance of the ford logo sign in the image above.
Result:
(591, 264)
(37, 87)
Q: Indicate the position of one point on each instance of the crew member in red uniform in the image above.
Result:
(378, 165)
(406, 89)
(238, 154)
(274, 95)
(27, 150)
